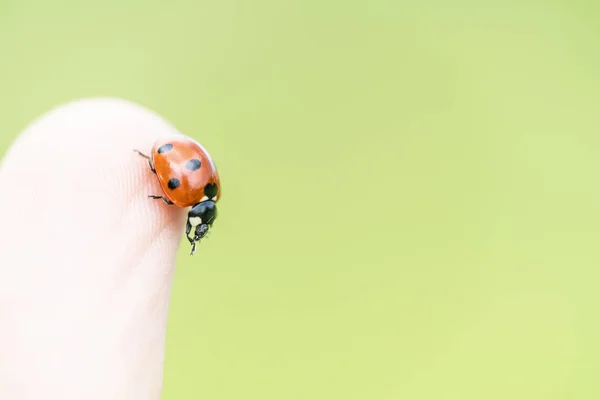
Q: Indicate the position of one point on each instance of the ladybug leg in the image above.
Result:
(141, 154)
(169, 202)
(188, 229)
(147, 158)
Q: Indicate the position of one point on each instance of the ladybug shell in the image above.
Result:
(185, 171)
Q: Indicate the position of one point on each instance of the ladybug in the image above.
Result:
(188, 178)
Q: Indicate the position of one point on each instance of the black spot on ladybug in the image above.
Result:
(173, 183)
(193, 165)
(164, 148)
(211, 190)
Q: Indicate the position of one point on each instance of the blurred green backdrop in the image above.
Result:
(411, 191)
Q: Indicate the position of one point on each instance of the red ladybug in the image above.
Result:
(188, 178)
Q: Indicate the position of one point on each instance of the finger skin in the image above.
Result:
(87, 258)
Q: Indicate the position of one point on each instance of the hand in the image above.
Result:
(87, 259)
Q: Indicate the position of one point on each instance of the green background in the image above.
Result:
(411, 195)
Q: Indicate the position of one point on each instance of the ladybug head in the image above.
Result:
(201, 217)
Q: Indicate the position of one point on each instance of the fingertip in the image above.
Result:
(75, 168)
